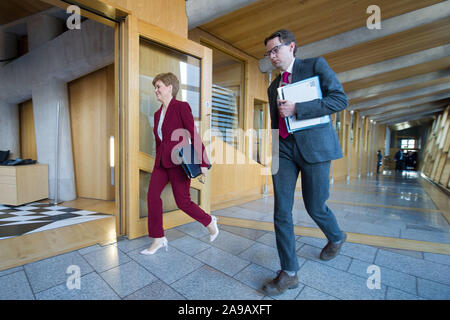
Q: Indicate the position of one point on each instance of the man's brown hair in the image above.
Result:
(285, 36)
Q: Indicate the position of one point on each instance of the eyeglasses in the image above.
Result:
(275, 49)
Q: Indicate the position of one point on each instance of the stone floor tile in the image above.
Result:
(222, 261)
(89, 249)
(414, 254)
(313, 253)
(433, 290)
(126, 245)
(339, 284)
(316, 242)
(256, 276)
(157, 290)
(127, 278)
(265, 256)
(50, 272)
(92, 287)
(388, 276)
(413, 266)
(173, 234)
(194, 229)
(15, 286)
(441, 237)
(309, 293)
(395, 294)
(10, 270)
(189, 245)
(268, 239)
(168, 266)
(439, 258)
(359, 251)
(230, 242)
(106, 258)
(208, 283)
(251, 234)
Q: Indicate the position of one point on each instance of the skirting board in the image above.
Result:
(24, 249)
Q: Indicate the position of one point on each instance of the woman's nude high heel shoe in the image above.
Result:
(215, 230)
(156, 245)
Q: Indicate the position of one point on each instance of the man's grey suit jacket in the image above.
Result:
(316, 144)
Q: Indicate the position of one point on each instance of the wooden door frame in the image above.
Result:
(134, 160)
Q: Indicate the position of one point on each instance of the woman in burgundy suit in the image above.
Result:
(173, 125)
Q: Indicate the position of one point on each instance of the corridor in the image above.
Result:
(383, 215)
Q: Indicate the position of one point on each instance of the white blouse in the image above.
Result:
(161, 120)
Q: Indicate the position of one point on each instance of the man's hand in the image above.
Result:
(286, 108)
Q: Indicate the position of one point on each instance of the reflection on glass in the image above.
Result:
(155, 59)
(258, 126)
(338, 125)
(227, 97)
(167, 198)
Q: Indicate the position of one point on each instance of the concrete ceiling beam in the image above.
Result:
(406, 61)
(390, 26)
(407, 111)
(422, 115)
(381, 88)
(203, 11)
(401, 96)
(405, 104)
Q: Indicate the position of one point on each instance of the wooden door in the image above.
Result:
(150, 50)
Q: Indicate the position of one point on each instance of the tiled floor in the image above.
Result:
(35, 217)
(386, 205)
(240, 261)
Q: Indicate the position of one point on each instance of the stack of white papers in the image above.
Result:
(302, 91)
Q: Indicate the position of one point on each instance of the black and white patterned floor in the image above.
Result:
(36, 217)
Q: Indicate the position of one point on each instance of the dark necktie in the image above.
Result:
(281, 122)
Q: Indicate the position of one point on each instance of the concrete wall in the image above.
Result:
(56, 57)
(9, 129)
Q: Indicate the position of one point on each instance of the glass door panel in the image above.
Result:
(152, 51)
(156, 59)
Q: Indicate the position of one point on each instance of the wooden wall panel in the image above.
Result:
(11, 10)
(436, 156)
(91, 112)
(27, 131)
(169, 15)
(233, 175)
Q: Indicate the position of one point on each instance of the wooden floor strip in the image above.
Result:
(17, 251)
(379, 241)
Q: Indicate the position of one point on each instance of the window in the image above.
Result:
(258, 126)
(338, 126)
(227, 97)
(408, 143)
(155, 59)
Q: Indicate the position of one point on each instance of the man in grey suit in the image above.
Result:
(308, 151)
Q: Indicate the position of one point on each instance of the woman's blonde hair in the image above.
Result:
(168, 79)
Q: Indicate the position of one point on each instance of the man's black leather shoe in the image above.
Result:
(331, 250)
(280, 284)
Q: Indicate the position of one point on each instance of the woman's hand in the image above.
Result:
(203, 176)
